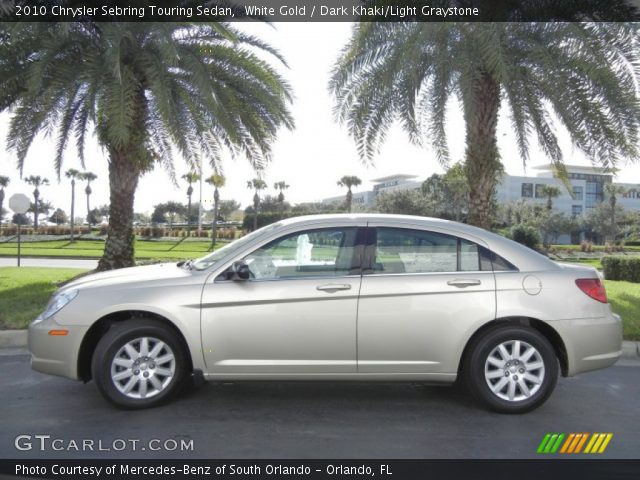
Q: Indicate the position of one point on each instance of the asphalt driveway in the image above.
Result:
(311, 420)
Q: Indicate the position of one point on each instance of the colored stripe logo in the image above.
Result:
(574, 443)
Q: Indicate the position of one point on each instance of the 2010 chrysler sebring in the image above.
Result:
(336, 297)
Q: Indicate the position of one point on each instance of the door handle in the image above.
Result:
(333, 287)
(463, 282)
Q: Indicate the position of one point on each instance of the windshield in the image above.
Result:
(212, 258)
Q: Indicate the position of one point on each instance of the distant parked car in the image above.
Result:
(336, 297)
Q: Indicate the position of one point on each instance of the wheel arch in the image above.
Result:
(546, 330)
(102, 326)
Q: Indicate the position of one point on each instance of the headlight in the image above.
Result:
(58, 302)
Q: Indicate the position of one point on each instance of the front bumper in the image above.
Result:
(591, 343)
(55, 355)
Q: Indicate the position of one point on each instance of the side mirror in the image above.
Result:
(240, 271)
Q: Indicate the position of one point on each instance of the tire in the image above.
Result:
(156, 377)
(509, 383)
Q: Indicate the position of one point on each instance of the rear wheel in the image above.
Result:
(139, 364)
(511, 369)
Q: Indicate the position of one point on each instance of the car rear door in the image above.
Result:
(422, 292)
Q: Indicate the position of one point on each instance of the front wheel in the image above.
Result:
(139, 364)
(511, 369)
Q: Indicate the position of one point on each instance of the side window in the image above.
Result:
(313, 253)
(491, 260)
(470, 260)
(414, 251)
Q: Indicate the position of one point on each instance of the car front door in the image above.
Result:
(296, 314)
(422, 292)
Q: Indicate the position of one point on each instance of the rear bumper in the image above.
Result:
(591, 343)
(55, 355)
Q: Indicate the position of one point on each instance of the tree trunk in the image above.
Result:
(36, 196)
(87, 192)
(482, 164)
(123, 180)
(256, 204)
(612, 202)
(1, 205)
(188, 214)
(214, 224)
(73, 206)
(349, 200)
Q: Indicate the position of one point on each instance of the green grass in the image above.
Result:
(145, 249)
(25, 291)
(625, 301)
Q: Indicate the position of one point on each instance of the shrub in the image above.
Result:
(265, 218)
(586, 246)
(526, 235)
(621, 268)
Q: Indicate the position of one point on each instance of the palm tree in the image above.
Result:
(256, 184)
(349, 181)
(612, 191)
(585, 73)
(190, 178)
(37, 181)
(88, 177)
(281, 186)
(149, 90)
(4, 182)
(551, 192)
(218, 182)
(72, 173)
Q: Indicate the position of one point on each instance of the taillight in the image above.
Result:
(593, 287)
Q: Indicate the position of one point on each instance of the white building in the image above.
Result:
(382, 184)
(587, 189)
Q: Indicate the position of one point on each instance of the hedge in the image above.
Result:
(266, 218)
(12, 230)
(621, 268)
(158, 232)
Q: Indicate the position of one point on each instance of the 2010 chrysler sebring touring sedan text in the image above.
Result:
(336, 297)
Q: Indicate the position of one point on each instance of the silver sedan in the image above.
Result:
(336, 297)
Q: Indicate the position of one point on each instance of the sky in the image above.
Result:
(310, 158)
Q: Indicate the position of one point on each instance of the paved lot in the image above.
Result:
(306, 420)
(49, 262)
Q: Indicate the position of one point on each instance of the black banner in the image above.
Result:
(322, 469)
(319, 10)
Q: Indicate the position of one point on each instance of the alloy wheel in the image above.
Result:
(143, 367)
(514, 370)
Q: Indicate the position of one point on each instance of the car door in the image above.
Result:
(295, 315)
(422, 292)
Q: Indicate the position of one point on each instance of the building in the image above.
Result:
(380, 185)
(587, 190)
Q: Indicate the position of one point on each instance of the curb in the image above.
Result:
(630, 349)
(13, 338)
(18, 338)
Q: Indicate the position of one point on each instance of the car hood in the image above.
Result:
(158, 272)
